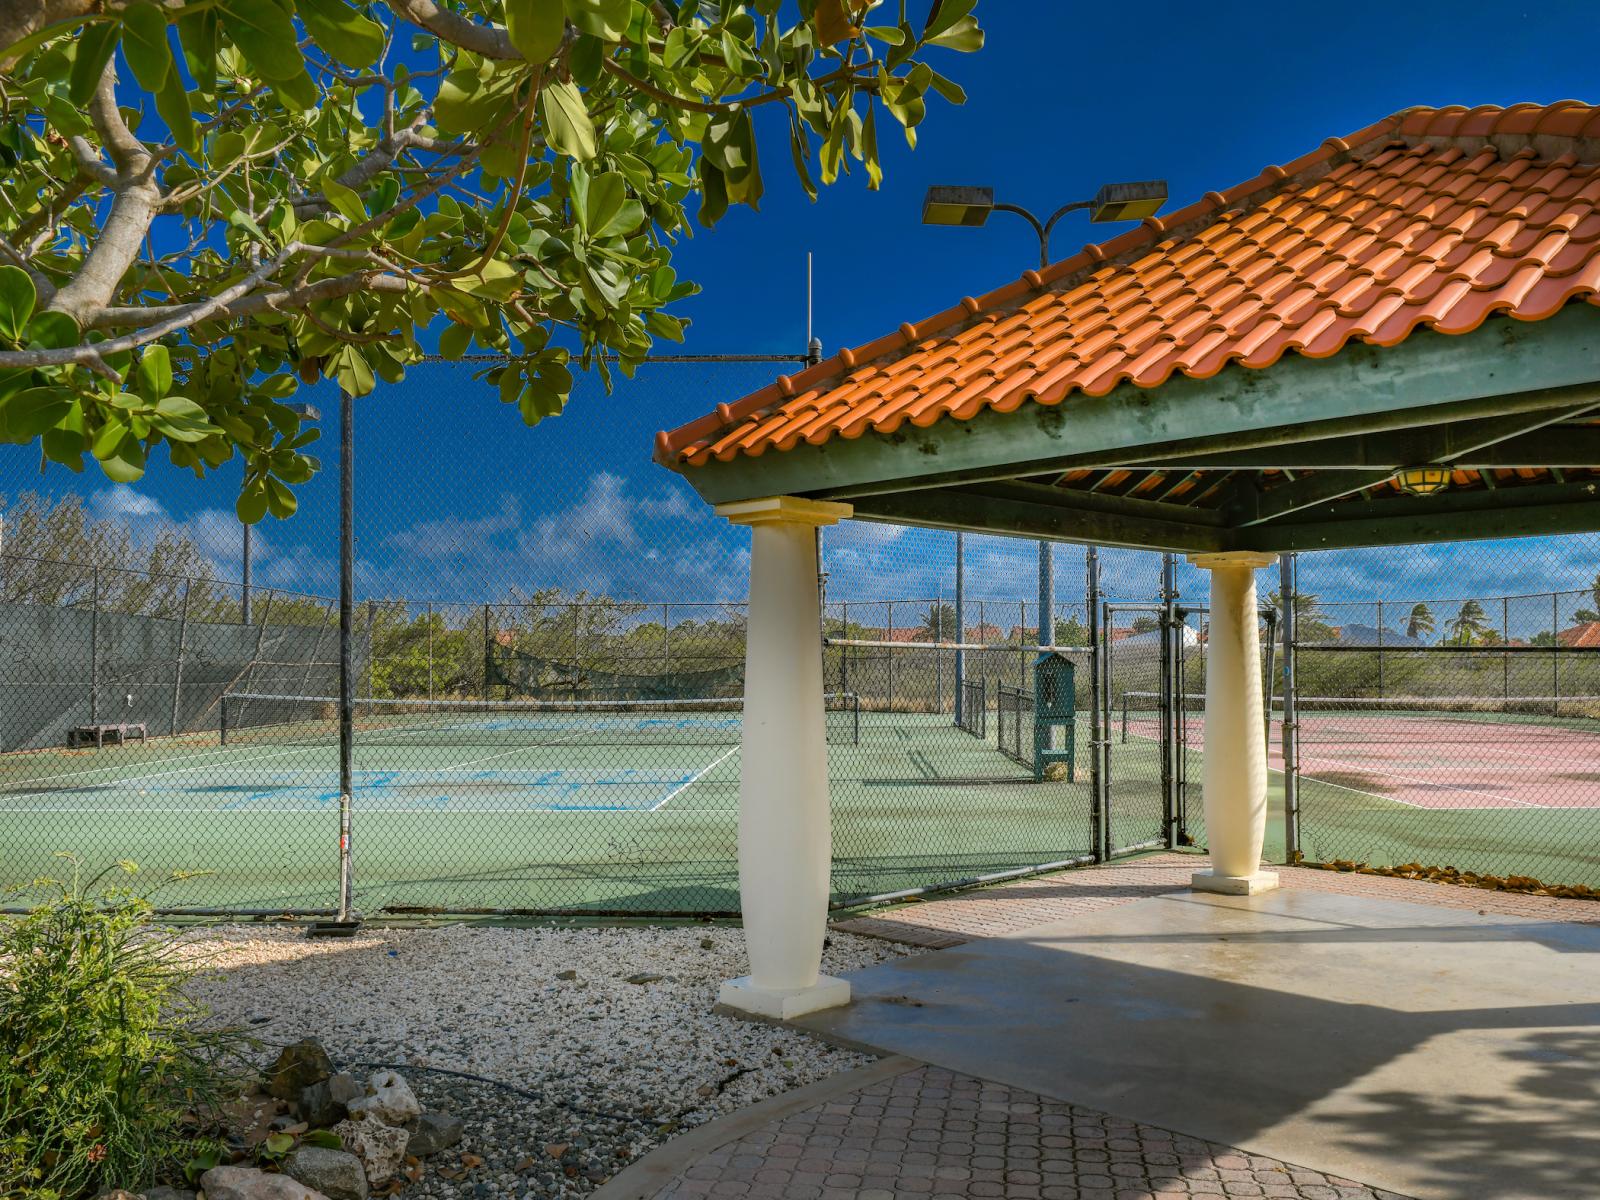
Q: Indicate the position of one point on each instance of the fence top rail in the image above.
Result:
(1013, 647)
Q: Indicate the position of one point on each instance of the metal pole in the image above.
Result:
(961, 622)
(1555, 654)
(1291, 728)
(1022, 655)
(938, 655)
(1380, 649)
(244, 600)
(844, 659)
(889, 654)
(347, 683)
(372, 644)
(430, 650)
(486, 651)
(1505, 641)
(1091, 600)
(94, 647)
(1169, 591)
(666, 640)
(1047, 599)
(177, 671)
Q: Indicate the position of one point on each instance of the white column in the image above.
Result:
(1235, 755)
(785, 842)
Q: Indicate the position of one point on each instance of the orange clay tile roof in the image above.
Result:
(1585, 635)
(1432, 217)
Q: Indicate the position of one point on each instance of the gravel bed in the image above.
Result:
(613, 1067)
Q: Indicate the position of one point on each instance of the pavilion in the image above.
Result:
(1392, 339)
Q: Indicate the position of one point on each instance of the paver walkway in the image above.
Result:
(902, 1130)
(931, 1134)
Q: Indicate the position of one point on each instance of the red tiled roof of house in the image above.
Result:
(1586, 635)
(1431, 218)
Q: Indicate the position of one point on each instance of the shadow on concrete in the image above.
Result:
(1432, 1052)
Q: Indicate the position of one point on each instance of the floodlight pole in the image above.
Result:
(347, 595)
(1044, 228)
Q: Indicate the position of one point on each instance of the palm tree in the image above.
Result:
(1470, 625)
(1311, 623)
(1421, 621)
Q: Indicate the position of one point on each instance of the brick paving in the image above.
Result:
(1025, 903)
(932, 1134)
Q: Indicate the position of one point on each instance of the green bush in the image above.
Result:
(107, 1077)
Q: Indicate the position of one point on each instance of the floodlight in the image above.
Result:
(957, 205)
(1128, 201)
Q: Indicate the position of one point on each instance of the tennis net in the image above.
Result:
(250, 718)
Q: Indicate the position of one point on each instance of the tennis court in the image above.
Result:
(1493, 786)
(506, 805)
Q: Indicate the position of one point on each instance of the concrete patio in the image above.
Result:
(1118, 1037)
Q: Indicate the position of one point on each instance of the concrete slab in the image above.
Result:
(1429, 1051)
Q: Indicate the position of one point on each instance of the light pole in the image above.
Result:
(306, 412)
(970, 207)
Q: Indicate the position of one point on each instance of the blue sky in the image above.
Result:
(459, 501)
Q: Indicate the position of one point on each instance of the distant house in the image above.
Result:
(1585, 635)
(896, 633)
(984, 633)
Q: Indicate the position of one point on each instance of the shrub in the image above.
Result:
(107, 1077)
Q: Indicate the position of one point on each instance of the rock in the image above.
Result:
(389, 1099)
(337, 1174)
(431, 1133)
(566, 974)
(707, 944)
(169, 1193)
(247, 1183)
(297, 1068)
(287, 1124)
(381, 1148)
(323, 1104)
(119, 1194)
(644, 977)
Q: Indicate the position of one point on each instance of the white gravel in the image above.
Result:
(617, 1065)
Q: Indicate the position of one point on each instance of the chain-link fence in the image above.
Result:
(548, 652)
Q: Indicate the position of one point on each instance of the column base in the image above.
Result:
(1234, 885)
(782, 1004)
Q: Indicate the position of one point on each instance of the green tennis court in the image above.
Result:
(514, 808)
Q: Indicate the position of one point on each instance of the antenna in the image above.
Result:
(813, 343)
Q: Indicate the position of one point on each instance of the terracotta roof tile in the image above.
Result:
(1434, 218)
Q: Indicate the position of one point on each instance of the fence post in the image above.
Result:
(1291, 730)
(1022, 640)
(177, 670)
(844, 657)
(487, 652)
(938, 655)
(94, 647)
(347, 683)
(961, 622)
(577, 648)
(889, 655)
(1505, 642)
(1169, 794)
(430, 650)
(1091, 600)
(1555, 654)
(1380, 649)
(372, 644)
(666, 640)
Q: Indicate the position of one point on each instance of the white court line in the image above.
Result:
(115, 766)
(138, 779)
(692, 780)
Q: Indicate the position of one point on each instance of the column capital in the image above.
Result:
(1233, 558)
(783, 510)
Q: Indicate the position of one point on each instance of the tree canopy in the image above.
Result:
(204, 203)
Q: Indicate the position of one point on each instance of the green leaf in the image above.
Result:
(240, 219)
(17, 298)
(945, 16)
(605, 19)
(353, 371)
(197, 34)
(282, 504)
(964, 37)
(496, 280)
(144, 41)
(713, 195)
(603, 200)
(535, 27)
(182, 420)
(566, 121)
(172, 102)
(95, 46)
(264, 34)
(30, 413)
(344, 33)
(155, 373)
(251, 505)
(454, 340)
(52, 331)
(344, 200)
(324, 1138)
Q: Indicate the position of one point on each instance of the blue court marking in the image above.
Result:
(545, 790)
